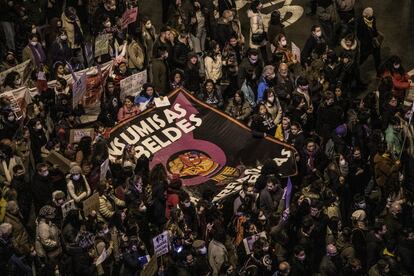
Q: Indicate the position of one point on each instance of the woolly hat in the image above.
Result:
(56, 195)
(368, 12)
(76, 169)
(359, 215)
(47, 211)
(341, 130)
(197, 244)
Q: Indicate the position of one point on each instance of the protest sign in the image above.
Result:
(249, 241)
(104, 169)
(151, 268)
(132, 85)
(91, 204)
(102, 45)
(68, 206)
(196, 142)
(76, 134)
(19, 99)
(296, 51)
(23, 69)
(161, 244)
(58, 160)
(79, 89)
(161, 101)
(129, 16)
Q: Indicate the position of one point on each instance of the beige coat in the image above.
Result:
(106, 210)
(47, 240)
(217, 256)
(68, 26)
(78, 197)
(135, 56)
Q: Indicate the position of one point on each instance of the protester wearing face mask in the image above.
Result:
(60, 50)
(148, 34)
(38, 139)
(77, 185)
(283, 53)
(34, 51)
(106, 10)
(311, 44)
(401, 80)
(369, 37)
(41, 187)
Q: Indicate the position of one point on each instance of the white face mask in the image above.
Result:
(148, 25)
(283, 43)
(108, 24)
(38, 127)
(34, 43)
(34, 31)
(203, 250)
(46, 173)
(342, 162)
(318, 34)
(63, 37)
(271, 99)
(187, 204)
(10, 118)
(76, 177)
(143, 208)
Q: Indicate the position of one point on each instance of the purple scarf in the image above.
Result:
(38, 54)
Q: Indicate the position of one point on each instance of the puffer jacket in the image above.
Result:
(106, 208)
(47, 240)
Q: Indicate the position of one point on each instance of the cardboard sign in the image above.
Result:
(132, 85)
(76, 134)
(296, 51)
(23, 69)
(68, 206)
(102, 45)
(129, 16)
(91, 204)
(161, 244)
(79, 89)
(151, 268)
(104, 169)
(58, 159)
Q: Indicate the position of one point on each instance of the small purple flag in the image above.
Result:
(288, 193)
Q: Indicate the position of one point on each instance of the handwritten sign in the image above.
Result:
(67, 207)
(161, 244)
(249, 241)
(79, 89)
(129, 16)
(132, 85)
(102, 45)
(76, 134)
(91, 204)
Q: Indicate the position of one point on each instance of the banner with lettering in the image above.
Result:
(202, 145)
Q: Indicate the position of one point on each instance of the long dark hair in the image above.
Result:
(85, 146)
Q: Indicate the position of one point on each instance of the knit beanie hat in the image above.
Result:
(47, 211)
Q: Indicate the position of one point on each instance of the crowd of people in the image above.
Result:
(350, 211)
